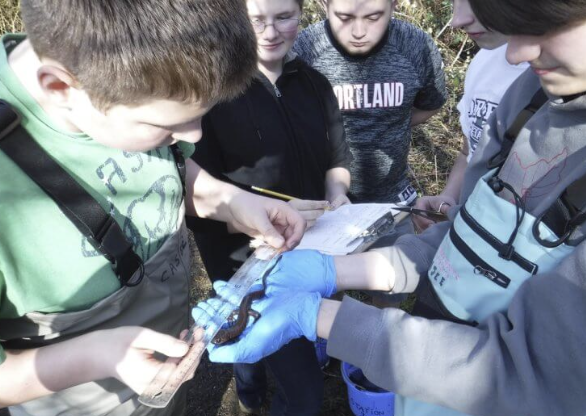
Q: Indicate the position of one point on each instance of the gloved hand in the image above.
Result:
(302, 271)
(283, 318)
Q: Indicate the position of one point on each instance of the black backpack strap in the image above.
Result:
(101, 230)
(565, 215)
(538, 99)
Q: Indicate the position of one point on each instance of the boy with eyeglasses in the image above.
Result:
(283, 134)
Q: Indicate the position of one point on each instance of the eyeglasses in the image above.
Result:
(281, 25)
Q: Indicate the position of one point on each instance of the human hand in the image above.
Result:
(340, 200)
(302, 271)
(310, 210)
(128, 353)
(439, 203)
(269, 219)
(283, 318)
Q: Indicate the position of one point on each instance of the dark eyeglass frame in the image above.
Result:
(260, 26)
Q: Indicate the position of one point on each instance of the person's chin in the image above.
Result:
(358, 51)
(487, 44)
(559, 85)
(272, 55)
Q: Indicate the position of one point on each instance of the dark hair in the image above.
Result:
(528, 17)
(128, 52)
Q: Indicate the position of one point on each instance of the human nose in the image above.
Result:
(191, 135)
(522, 48)
(462, 14)
(270, 32)
(358, 29)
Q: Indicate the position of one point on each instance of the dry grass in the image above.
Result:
(9, 18)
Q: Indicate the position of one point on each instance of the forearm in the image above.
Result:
(337, 183)
(456, 178)
(411, 255)
(206, 196)
(366, 271)
(439, 362)
(30, 374)
(328, 309)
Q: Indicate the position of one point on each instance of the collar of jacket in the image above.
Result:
(291, 65)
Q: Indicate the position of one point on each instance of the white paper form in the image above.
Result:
(333, 232)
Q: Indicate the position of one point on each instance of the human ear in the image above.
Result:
(56, 83)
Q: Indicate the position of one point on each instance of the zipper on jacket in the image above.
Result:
(277, 92)
(480, 266)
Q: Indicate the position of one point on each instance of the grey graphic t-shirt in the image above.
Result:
(376, 94)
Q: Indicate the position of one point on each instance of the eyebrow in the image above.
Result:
(374, 13)
(346, 14)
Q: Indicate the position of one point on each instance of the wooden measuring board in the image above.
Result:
(174, 372)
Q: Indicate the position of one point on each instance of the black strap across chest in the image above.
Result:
(88, 216)
(537, 101)
(569, 210)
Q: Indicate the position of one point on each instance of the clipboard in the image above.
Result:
(351, 228)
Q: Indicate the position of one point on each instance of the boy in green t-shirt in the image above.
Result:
(105, 88)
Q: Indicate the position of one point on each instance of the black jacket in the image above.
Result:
(283, 138)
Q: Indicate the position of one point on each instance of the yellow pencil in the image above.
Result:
(273, 193)
(280, 195)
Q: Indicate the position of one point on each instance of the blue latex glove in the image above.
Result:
(283, 318)
(303, 271)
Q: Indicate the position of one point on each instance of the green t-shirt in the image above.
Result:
(46, 265)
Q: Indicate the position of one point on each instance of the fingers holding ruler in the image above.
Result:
(174, 371)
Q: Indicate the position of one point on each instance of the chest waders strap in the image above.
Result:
(568, 212)
(101, 230)
(537, 101)
(565, 215)
(428, 304)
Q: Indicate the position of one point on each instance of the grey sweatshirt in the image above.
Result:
(376, 94)
(527, 361)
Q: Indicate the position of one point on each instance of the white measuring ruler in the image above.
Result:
(175, 371)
